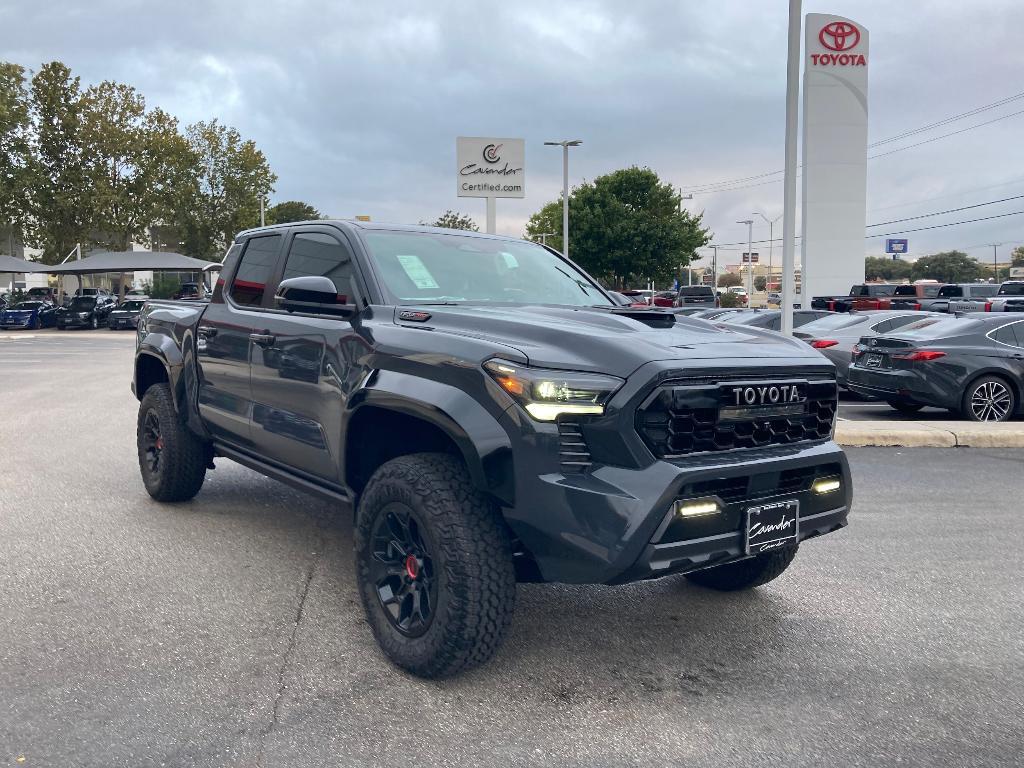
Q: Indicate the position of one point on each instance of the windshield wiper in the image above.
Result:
(580, 283)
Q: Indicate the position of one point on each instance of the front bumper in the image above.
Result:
(75, 322)
(615, 524)
(118, 323)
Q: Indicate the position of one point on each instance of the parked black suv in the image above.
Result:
(89, 311)
(489, 414)
(697, 296)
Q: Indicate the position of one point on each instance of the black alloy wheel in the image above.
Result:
(402, 569)
(94, 323)
(151, 442)
(989, 399)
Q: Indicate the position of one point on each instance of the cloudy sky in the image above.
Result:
(357, 104)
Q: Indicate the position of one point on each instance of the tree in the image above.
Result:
(880, 268)
(729, 300)
(291, 210)
(948, 267)
(453, 220)
(626, 227)
(1017, 257)
(729, 279)
(548, 222)
(232, 176)
(59, 195)
(760, 282)
(14, 149)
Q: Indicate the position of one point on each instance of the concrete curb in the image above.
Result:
(930, 434)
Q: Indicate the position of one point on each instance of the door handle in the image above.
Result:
(263, 339)
(207, 330)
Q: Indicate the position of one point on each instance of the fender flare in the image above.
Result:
(481, 440)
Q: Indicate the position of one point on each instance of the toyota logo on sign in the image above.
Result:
(490, 153)
(839, 36)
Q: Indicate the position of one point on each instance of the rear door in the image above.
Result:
(306, 365)
(223, 343)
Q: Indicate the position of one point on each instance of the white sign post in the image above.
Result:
(490, 168)
(835, 142)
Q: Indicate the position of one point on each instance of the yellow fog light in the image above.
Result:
(825, 485)
(697, 507)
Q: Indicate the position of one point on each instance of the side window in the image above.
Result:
(312, 253)
(899, 322)
(1018, 329)
(883, 327)
(258, 261)
(1006, 335)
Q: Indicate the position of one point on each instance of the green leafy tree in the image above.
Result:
(548, 222)
(626, 227)
(760, 282)
(291, 210)
(880, 268)
(14, 151)
(1017, 257)
(729, 300)
(58, 181)
(232, 176)
(729, 279)
(453, 220)
(948, 267)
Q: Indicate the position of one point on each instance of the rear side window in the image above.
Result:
(883, 327)
(1011, 289)
(905, 290)
(312, 253)
(951, 291)
(1012, 334)
(935, 328)
(899, 322)
(258, 260)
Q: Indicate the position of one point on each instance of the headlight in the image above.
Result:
(546, 394)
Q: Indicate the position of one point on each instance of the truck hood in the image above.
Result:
(594, 339)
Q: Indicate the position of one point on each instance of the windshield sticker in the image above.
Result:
(510, 260)
(417, 271)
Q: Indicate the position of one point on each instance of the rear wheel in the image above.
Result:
(171, 458)
(904, 407)
(989, 398)
(434, 566)
(745, 574)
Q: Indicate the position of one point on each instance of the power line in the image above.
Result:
(951, 210)
(950, 224)
(727, 184)
(960, 193)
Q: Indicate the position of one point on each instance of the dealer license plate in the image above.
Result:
(872, 361)
(772, 526)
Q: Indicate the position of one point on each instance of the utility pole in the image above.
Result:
(714, 268)
(262, 221)
(995, 265)
(683, 197)
(771, 242)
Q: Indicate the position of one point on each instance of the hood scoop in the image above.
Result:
(649, 317)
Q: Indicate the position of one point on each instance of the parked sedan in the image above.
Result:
(125, 315)
(971, 365)
(771, 319)
(837, 334)
(85, 312)
(29, 314)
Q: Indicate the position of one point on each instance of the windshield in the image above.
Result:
(132, 306)
(696, 290)
(834, 323)
(31, 305)
(83, 302)
(426, 268)
(1011, 289)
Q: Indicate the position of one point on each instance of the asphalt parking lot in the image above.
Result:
(226, 631)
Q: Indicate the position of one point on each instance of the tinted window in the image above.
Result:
(133, 306)
(83, 302)
(258, 260)
(983, 291)
(880, 290)
(934, 328)
(883, 327)
(1011, 289)
(696, 290)
(314, 254)
(905, 290)
(950, 291)
(31, 305)
(930, 291)
(834, 323)
(899, 322)
(1013, 335)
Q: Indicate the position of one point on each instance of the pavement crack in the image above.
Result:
(286, 657)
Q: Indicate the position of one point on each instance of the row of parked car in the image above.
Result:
(93, 308)
(929, 296)
(971, 364)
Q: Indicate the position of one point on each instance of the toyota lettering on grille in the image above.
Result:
(768, 394)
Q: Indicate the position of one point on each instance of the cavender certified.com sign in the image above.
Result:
(490, 167)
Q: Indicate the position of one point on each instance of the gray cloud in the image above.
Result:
(357, 105)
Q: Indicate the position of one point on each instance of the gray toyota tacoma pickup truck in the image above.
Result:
(488, 415)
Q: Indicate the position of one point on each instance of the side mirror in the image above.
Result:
(314, 294)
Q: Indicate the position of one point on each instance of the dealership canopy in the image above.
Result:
(130, 261)
(11, 265)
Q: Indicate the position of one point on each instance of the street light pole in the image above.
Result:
(565, 144)
(750, 260)
(771, 241)
(789, 177)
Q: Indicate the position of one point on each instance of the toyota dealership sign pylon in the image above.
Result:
(835, 145)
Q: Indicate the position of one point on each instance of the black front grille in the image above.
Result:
(682, 419)
(573, 454)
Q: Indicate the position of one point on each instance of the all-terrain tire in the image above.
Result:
(470, 558)
(745, 574)
(181, 457)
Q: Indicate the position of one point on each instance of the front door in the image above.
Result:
(223, 343)
(299, 384)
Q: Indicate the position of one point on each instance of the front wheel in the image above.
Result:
(904, 407)
(745, 574)
(433, 565)
(94, 323)
(172, 458)
(989, 398)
